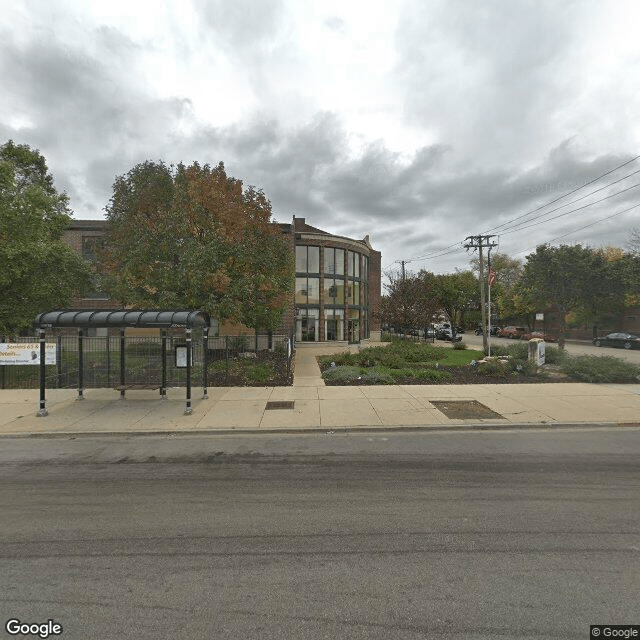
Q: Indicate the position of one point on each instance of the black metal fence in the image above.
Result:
(231, 360)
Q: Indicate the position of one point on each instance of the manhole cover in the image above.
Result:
(280, 404)
(464, 409)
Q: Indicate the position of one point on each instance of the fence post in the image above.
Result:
(163, 384)
(205, 366)
(226, 359)
(108, 359)
(80, 365)
(122, 376)
(59, 360)
(188, 409)
(43, 409)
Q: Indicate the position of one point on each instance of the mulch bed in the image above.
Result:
(467, 375)
(236, 376)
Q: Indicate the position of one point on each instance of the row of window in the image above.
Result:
(353, 327)
(308, 261)
(334, 291)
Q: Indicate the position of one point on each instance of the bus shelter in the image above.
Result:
(83, 319)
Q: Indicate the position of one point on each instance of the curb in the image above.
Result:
(330, 430)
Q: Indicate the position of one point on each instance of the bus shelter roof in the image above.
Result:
(149, 319)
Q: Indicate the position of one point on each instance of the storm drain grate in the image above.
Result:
(280, 404)
(464, 409)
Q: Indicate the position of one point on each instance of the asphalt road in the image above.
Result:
(572, 348)
(517, 534)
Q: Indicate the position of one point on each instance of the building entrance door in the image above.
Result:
(353, 329)
(332, 329)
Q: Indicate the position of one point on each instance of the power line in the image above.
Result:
(586, 226)
(566, 194)
(574, 201)
(566, 213)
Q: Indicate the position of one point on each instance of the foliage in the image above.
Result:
(559, 276)
(508, 270)
(553, 355)
(518, 350)
(38, 270)
(400, 360)
(459, 346)
(457, 293)
(410, 302)
(260, 372)
(208, 243)
(600, 369)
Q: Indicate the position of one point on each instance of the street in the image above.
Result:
(573, 348)
(514, 534)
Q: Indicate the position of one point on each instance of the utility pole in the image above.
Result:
(481, 242)
(403, 262)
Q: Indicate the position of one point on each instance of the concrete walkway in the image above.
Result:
(316, 406)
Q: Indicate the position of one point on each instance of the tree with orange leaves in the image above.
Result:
(193, 237)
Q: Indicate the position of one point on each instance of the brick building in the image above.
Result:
(338, 282)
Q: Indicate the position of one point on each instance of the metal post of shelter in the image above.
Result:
(122, 376)
(188, 410)
(43, 410)
(163, 384)
(205, 366)
(80, 365)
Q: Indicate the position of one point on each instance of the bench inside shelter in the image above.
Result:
(84, 319)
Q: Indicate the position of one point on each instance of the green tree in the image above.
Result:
(569, 277)
(457, 293)
(38, 270)
(194, 237)
(410, 302)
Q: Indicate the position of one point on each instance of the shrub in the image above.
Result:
(553, 355)
(459, 346)
(260, 372)
(144, 348)
(377, 376)
(498, 368)
(239, 343)
(600, 369)
(519, 350)
(341, 373)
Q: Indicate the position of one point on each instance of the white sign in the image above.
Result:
(26, 353)
(539, 316)
(181, 357)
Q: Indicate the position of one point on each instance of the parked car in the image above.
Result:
(444, 333)
(495, 330)
(622, 340)
(538, 334)
(512, 332)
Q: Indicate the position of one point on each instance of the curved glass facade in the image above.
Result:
(332, 294)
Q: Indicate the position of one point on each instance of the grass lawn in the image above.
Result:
(409, 362)
(401, 361)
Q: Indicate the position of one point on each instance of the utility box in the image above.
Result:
(536, 351)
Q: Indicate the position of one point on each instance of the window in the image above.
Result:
(333, 261)
(308, 259)
(301, 259)
(333, 291)
(307, 291)
(301, 291)
(313, 260)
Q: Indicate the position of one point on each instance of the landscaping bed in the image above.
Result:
(267, 369)
(407, 362)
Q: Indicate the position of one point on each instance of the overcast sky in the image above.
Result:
(418, 122)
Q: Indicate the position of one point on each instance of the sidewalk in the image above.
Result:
(316, 406)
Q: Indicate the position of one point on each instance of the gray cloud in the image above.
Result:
(492, 85)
